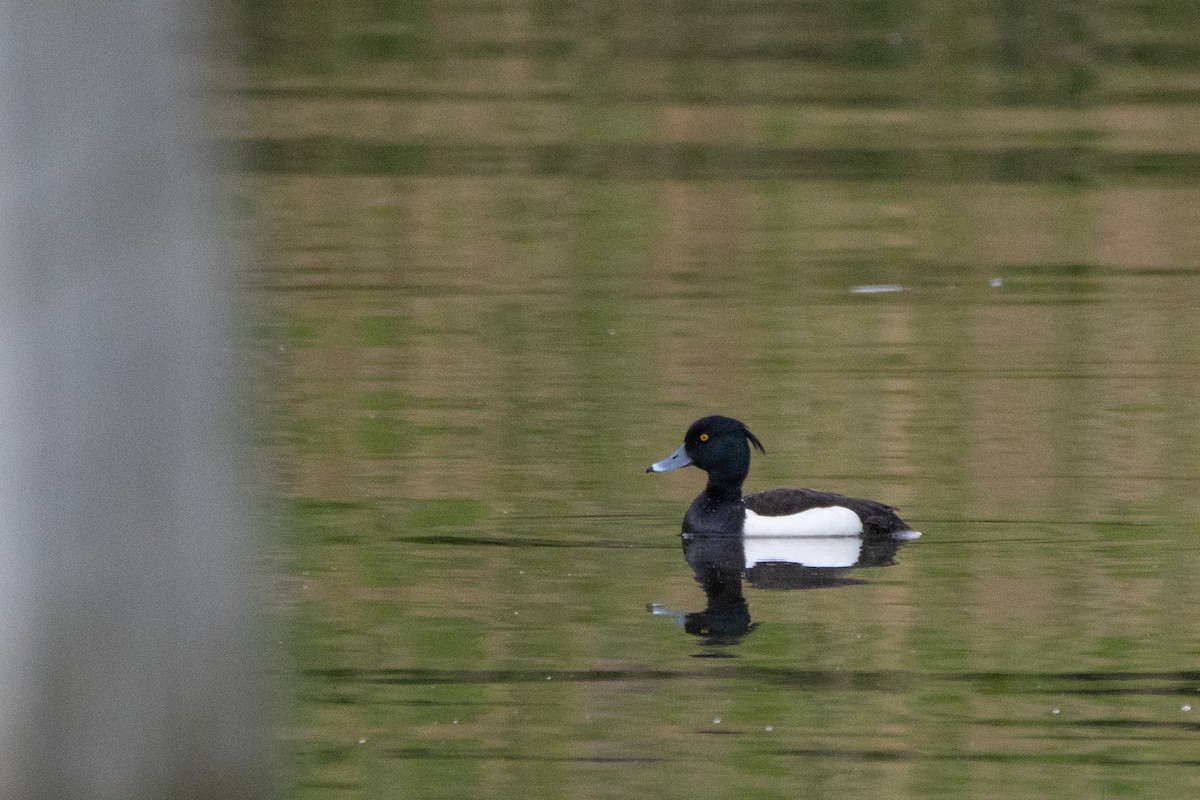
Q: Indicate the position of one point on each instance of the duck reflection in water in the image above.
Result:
(723, 564)
(780, 539)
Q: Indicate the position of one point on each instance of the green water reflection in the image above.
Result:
(510, 251)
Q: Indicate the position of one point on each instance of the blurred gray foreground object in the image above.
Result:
(126, 564)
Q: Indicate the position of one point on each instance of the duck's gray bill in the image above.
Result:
(674, 461)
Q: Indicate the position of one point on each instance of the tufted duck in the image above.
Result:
(721, 447)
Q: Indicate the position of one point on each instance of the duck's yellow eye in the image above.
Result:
(704, 437)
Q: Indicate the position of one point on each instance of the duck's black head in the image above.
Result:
(718, 445)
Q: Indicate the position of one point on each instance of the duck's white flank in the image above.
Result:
(832, 521)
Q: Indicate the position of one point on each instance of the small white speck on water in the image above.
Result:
(877, 288)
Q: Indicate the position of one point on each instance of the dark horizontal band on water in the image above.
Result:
(857, 97)
(346, 156)
(824, 45)
(1119, 682)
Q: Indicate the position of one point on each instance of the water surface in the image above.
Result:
(509, 254)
